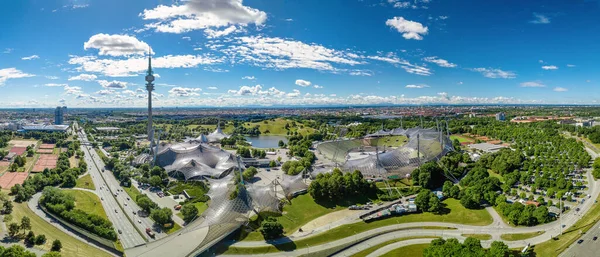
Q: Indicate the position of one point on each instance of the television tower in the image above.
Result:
(150, 88)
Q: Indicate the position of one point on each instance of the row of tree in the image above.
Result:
(471, 247)
(340, 186)
(62, 204)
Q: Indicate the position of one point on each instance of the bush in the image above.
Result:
(271, 228)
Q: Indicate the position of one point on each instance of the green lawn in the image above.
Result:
(85, 182)
(555, 247)
(194, 188)
(496, 175)
(479, 236)
(172, 229)
(389, 141)
(201, 206)
(521, 236)
(132, 192)
(302, 210)
(368, 251)
(87, 202)
(71, 247)
(455, 213)
(461, 138)
(408, 251)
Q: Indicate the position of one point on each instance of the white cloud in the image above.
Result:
(280, 54)
(303, 83)
(495, 73)
(84, 77)
(333, 95)
(361, 73)
(116, 45)
(417, 86)
(317, 86)
(549, 67)
(532, 84)
(202, 14)
(289, 20)
(133, 66)
(105, 92)
(404, 64)
(7, 50)
(112, 84)
(560, 89)
(443, 17)
(55, 85)
(211, 33)
(439, 61)
(32, 57)
(409, 29)
(186, 38)
(212, 88)
(571, 65)
(459, 83)
(12, 73)
(295, 93)
(69, 90)
(52, 77)
(184, 91)
(249, 77)
(246, 90)
(540, 19)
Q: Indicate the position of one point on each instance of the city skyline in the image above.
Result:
(256, 52)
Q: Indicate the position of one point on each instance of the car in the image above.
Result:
(595, 238)
(128, 199)
(102, 198)
(577, 209)
(116, 211)
(140, 221)
(120, 232)
(134, 213)
(125, 204)
(580, 241)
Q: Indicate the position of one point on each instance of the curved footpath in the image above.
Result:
(384, 234)
(33, 205)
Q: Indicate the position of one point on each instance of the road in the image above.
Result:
(128, 205)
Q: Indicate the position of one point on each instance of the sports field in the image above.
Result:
(9, 179)
(45, 161)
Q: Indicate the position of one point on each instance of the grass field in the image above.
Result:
(193, 189)
(522, 236)
(201, 206)
(479, 236)
(369, 250)
(172, 229)
(87, 202)
(496, 175)
(562, 242)
(389, 141)
(71, 247)
(85, 182)
(454, 213)
(132, 192)
(410, 250)
(461, 138)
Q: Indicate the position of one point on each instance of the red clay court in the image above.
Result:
(45, 150)
(45, 161)
(9, 179)
(47, 146)
(18, 150)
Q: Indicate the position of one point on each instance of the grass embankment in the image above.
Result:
(369, 250)
(562, 242)
(132, 192)
(409, 250)
(453, 212)
(172, 229)
(479, 236)
(70, 245)
(521, 236)
(100, 153)
(87, 202)
(85, 182)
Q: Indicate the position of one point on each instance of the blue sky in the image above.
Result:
(88, 53)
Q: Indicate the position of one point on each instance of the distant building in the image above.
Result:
(48, 128)
(59, 115)
(107, 129)
(487, 148)
(501, 116)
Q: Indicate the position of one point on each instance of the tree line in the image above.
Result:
(339, 186)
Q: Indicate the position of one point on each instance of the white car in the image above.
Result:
(140, 221)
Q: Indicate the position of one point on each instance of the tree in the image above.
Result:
(145, 203)
(40, 239)
(13, 229)
(272, 164)
(281, 143)
(25, 223)
(51, 254)
(162, 216)
(56, 246)
(7, 207)
(422, 200)
(30, 238)
(69, 180)
(13, 167)
(498, 249)
(435, 205)
(189, 212)
(155, 181)
(271, 228)
(249, 173)
(17, 251)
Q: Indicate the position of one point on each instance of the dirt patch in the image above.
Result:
(45, 150)
(22, 143)
(327, 219)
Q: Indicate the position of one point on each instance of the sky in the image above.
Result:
(94, 53)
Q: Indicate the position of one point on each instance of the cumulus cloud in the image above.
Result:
(184, 91)
(55, 85)
(303, 83)
(84, 77)
(295, 93)
(417, 86)
(532, 84)
(317, 86)
(211, 33)
(69, 90)
(212, 88)
(32, 57)
(52, 77)
(12, 73)
(540, 19)
(439, 61)
(495, 73)
(112, 84)
(202, 14)
(246, 90)
(105, 92)
(560, 89)
(116, 45)
(409, 29)
(549, 67)
(249, 77)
